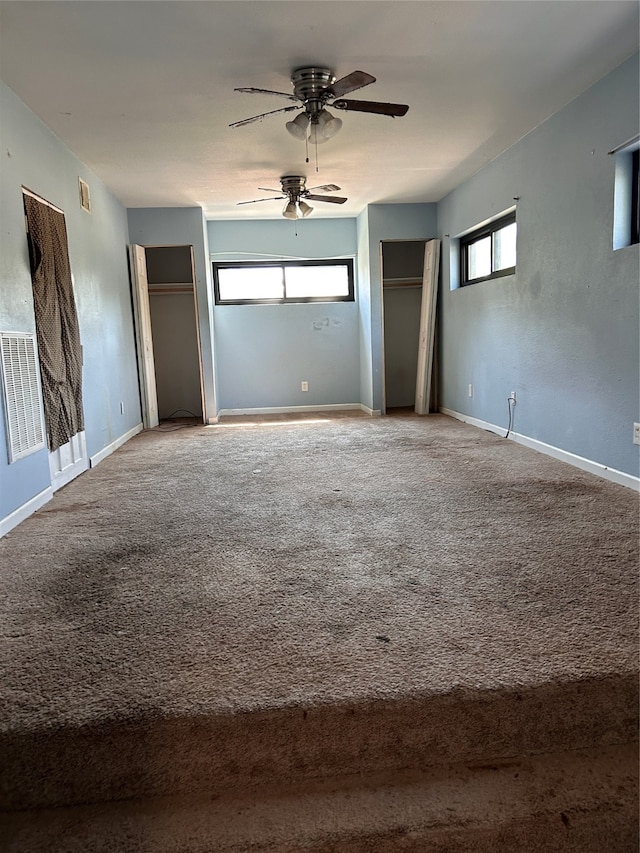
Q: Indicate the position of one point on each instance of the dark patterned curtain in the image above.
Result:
(57, 329)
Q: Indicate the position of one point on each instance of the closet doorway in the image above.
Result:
(167, 336)
(409, 292)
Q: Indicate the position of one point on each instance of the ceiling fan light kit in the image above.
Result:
(290, 211)
(298, 126)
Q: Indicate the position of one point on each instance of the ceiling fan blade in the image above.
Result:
(353, 81)
(372, 107)
(262, 115)
(253, 90)
(326, 188)
(268, 190)
(274, 198)
(334, 199)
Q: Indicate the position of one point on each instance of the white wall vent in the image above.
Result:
(22, 397)
(85, 195)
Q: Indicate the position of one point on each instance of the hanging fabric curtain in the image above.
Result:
(57, 330)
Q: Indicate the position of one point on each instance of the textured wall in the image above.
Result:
(32, 156)
(563, 331)
(263, 352)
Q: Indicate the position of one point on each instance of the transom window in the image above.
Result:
(489, 252)
(249, 283)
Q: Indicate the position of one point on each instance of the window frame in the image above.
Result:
(475, 236)
(635, 197)
(284, 299)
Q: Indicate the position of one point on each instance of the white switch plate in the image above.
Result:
(470, 391)
(636, 433)
(304, 386)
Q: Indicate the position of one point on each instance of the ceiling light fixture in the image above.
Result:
(329, 124)
(290, 211)
(298, 127)
(317, 127)
(294, 210)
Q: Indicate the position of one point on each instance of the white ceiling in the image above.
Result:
(143, 92)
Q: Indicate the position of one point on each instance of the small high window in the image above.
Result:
(247, 283)
(635, 196)
(626, 206)
(489, 252)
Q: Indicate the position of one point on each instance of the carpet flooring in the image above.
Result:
(292, 580)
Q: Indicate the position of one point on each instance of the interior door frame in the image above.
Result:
(426, 341)
(144, 337)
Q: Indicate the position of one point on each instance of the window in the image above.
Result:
(489, 251)
(635, 193)
(286, 281)
(626, 203)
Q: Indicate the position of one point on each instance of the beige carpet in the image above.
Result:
(342, 593)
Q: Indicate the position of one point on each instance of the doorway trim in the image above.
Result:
(144, 338)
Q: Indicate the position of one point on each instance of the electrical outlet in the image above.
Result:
(512, 396)
(304, 385)
(636, 433)
(470, 391)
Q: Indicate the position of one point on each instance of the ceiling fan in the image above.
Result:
(313, 89)
(295, 191)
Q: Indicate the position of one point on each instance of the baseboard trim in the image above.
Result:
(23, 512)
(284, 410)
(374, 413)
(110, 448)
(612, 474)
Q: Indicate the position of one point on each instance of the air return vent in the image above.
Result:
(22, 398)
(85, 195)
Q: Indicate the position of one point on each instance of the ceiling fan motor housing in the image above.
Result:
(293, 186)
(312, 86)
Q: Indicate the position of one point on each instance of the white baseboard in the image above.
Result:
(23, 512)
(284, 410)
(109, 449)
(612, 474)
(374, 413)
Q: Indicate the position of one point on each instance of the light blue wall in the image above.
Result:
(563, 331)
(390, 222)
(32, 156)
(185, 226)
(263, 352)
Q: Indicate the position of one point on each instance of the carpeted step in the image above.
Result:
(574, 802)
(298, 605)
(249, 749)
